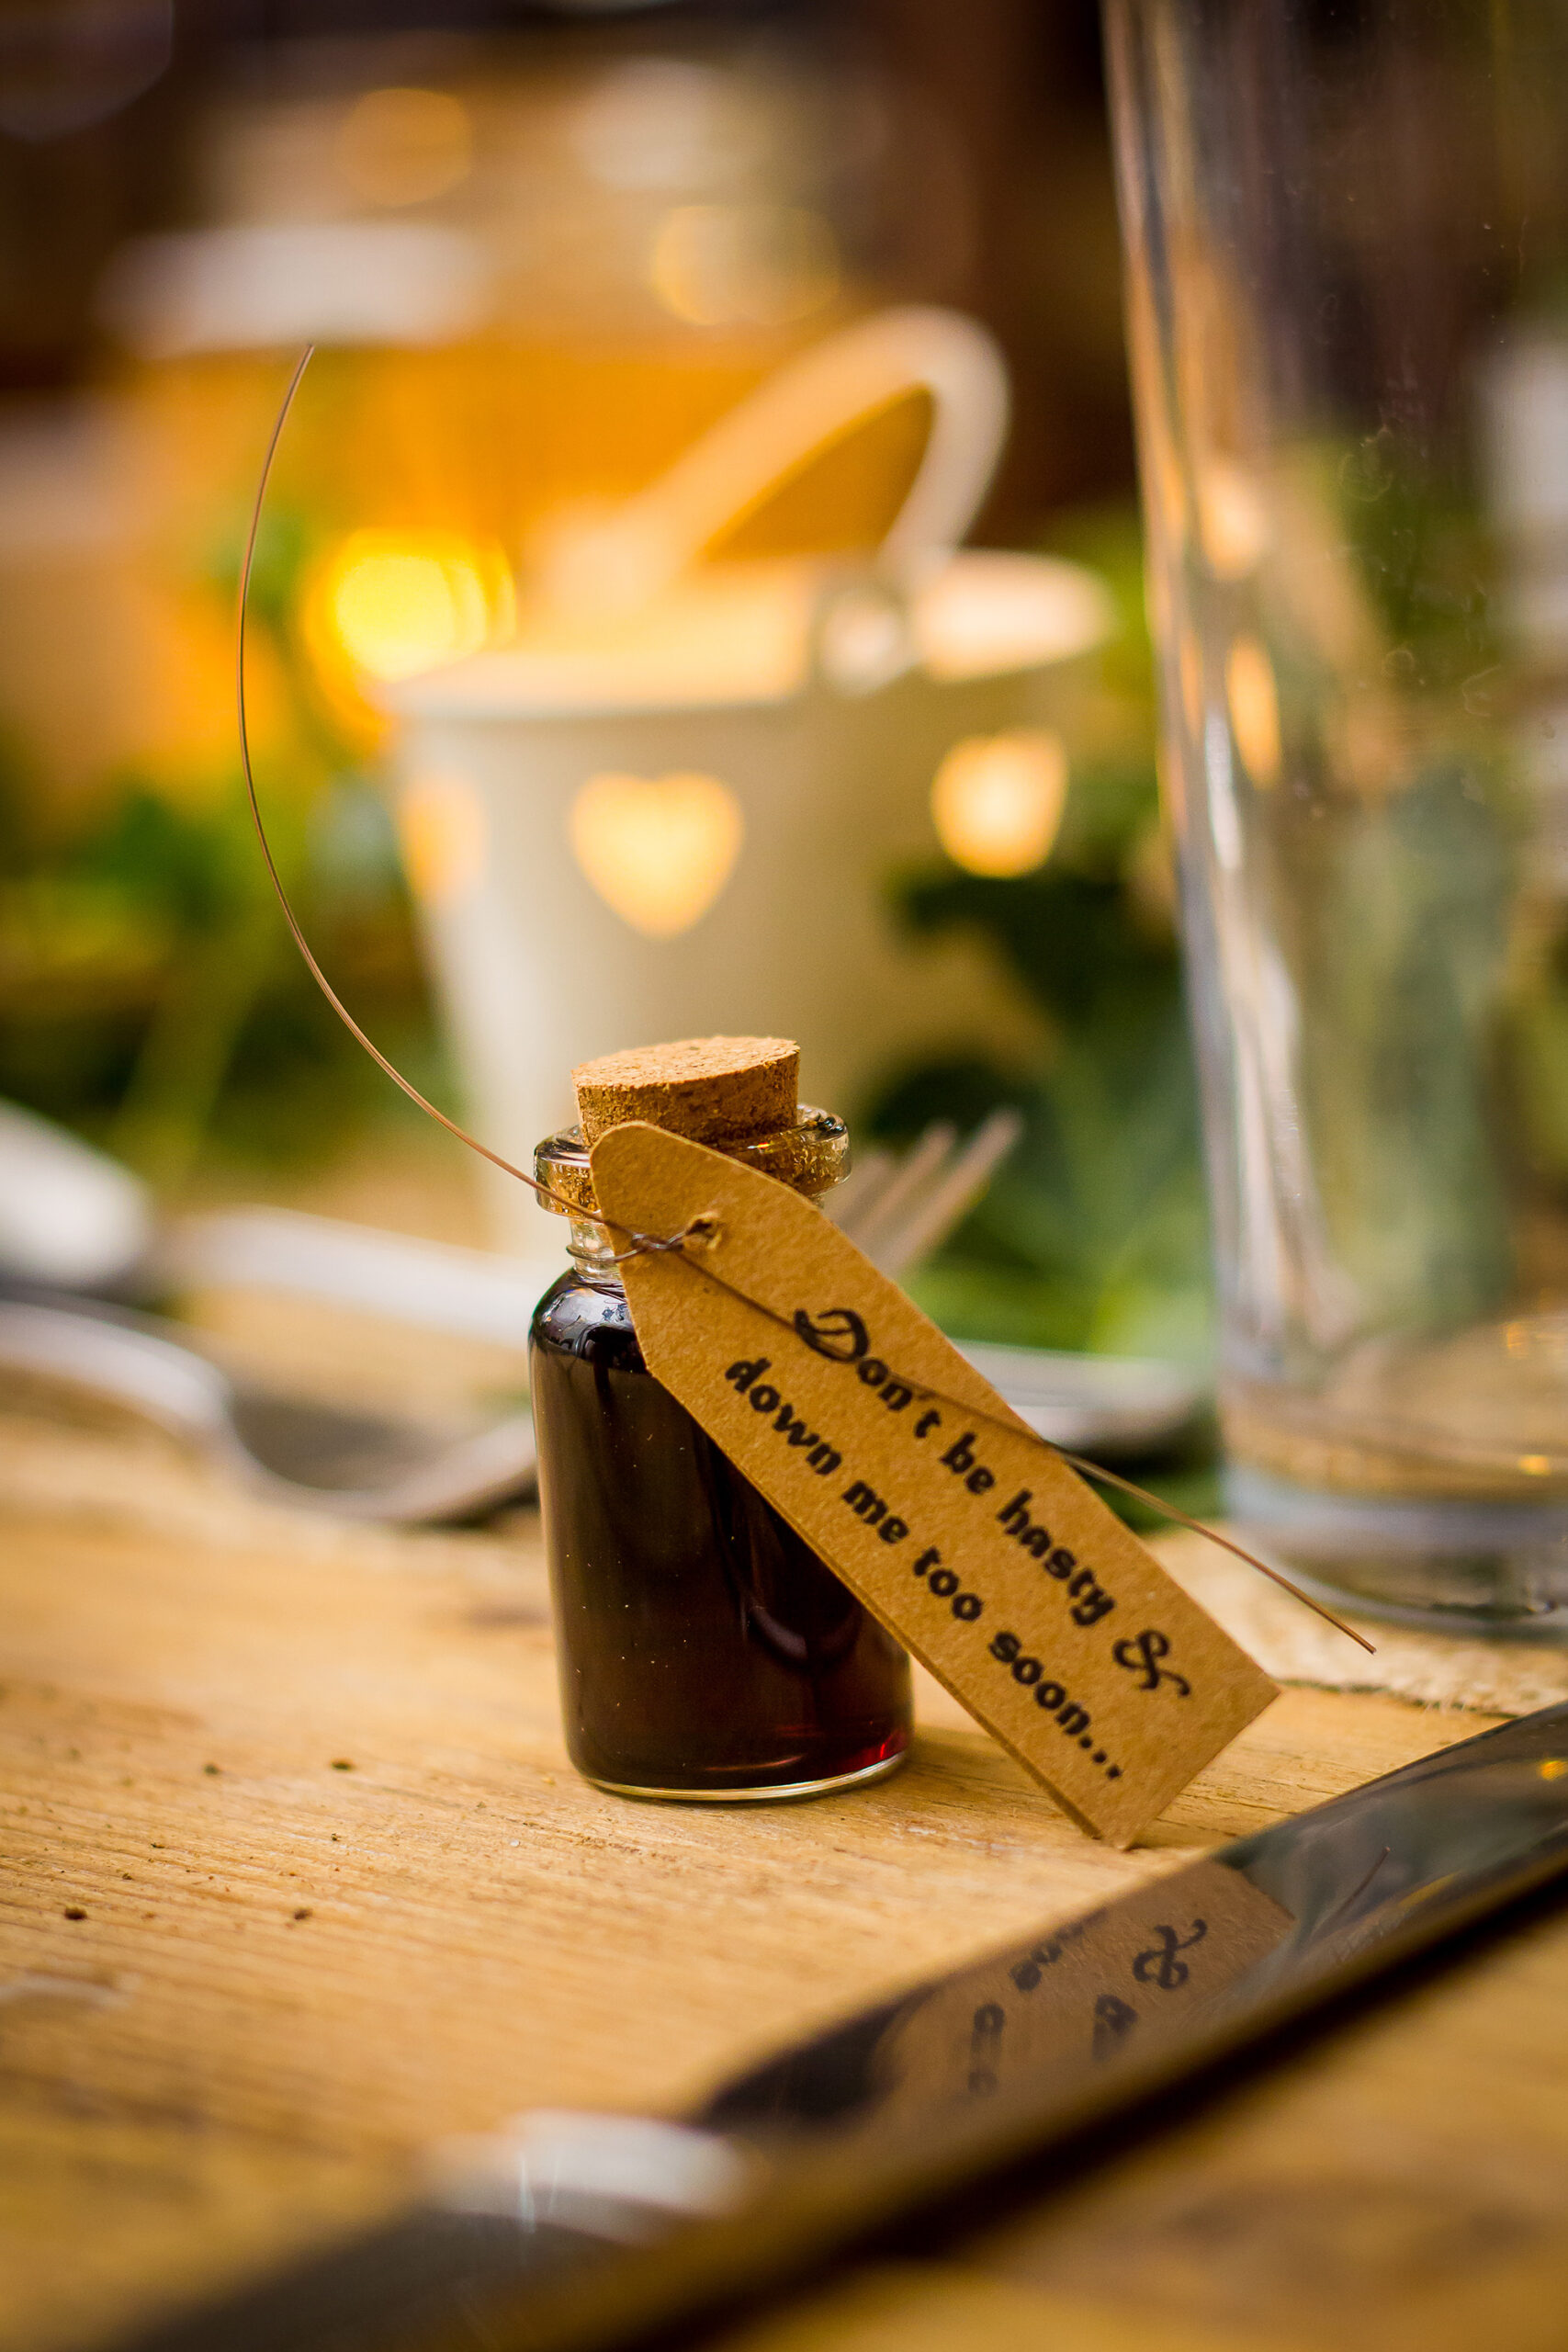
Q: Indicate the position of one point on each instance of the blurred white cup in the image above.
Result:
(673, 806)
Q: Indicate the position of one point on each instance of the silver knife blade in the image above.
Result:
(577, 2233)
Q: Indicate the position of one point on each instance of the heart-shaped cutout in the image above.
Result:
(658, 848)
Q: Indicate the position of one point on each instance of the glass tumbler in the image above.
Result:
(1347, 238)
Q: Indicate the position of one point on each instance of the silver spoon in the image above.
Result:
(69, 1215)
(372, 1466)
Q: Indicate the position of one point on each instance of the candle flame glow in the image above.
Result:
(1253, 700)
(400, 601)
(998, 799)
(657, 850)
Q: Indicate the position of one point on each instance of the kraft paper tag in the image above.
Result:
(973, 1543)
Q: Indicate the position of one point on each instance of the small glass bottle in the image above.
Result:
(705, 1652)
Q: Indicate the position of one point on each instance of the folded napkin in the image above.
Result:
(1492, 1674)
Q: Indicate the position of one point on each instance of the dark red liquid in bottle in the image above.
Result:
(705, 1649)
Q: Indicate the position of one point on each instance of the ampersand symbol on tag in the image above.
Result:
(1112, 2019)
(1141, 1655)
(1159, 1964)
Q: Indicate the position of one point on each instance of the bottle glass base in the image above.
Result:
(775, 1792)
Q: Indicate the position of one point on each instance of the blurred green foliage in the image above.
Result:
(1093, 1233)
(149, 995)
(1416, 539)
(150, 998)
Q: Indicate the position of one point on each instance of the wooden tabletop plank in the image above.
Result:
(298, 1879)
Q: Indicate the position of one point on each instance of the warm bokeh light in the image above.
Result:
(1233, 519)
(1254, 701)
(998, 799)
(743, 264)
(443, 835)
(657, 850)
(990, 609)
(405, 146)
(397, 603)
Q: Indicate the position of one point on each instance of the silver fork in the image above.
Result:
(897, 1209)
(363, 1465)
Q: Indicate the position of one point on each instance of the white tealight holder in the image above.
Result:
(680, 815)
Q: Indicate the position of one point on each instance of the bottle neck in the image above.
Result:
(810, 1157)
(592, 1252)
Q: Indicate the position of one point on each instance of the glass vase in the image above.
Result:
(1347, 240)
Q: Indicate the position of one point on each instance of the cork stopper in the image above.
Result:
(716, 1089)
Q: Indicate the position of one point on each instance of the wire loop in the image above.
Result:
(673, 1245)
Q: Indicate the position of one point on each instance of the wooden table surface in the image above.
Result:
(298, 1881)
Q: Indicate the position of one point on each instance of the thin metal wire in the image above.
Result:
(303, 944)
(641, 1244)
(1076, 1461)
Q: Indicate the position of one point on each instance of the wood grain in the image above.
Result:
(341, 1894)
